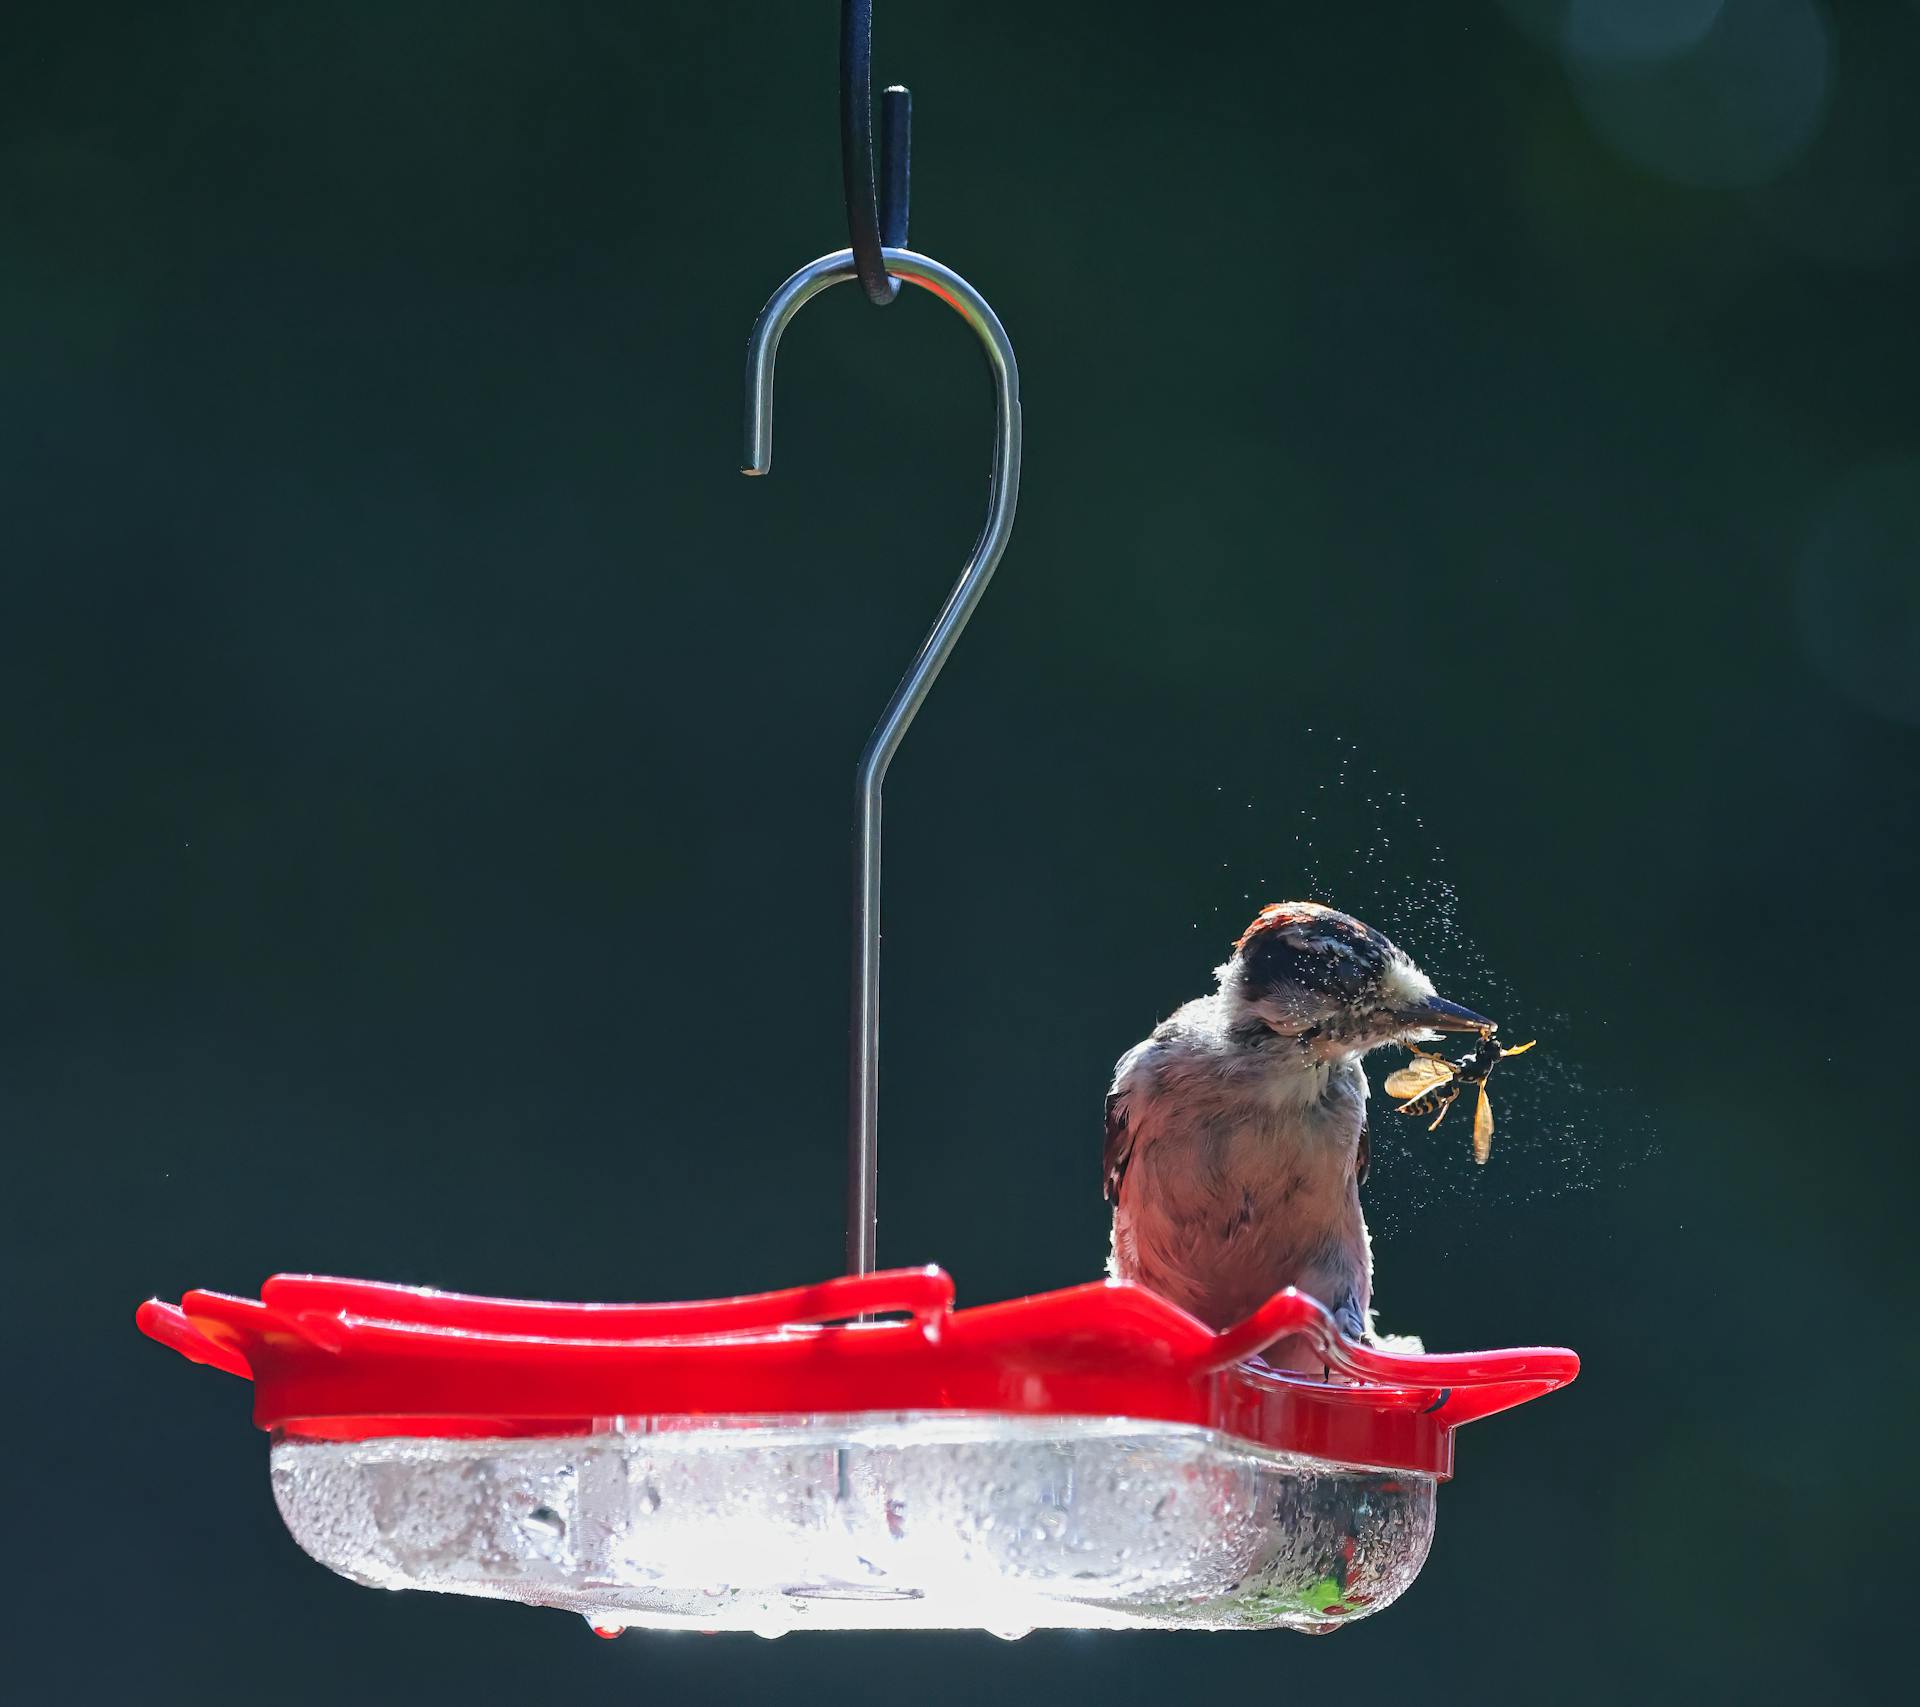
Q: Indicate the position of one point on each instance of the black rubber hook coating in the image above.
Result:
(874, 220)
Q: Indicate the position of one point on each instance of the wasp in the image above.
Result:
(1428, 1084)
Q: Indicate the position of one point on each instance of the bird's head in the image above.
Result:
(1308, 972)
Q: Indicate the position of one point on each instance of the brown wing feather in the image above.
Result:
(1119, 1147)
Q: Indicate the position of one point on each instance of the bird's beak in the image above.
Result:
(1437, 1014)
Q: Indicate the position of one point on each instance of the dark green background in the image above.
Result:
(425, 765)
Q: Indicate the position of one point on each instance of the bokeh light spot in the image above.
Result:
(1636, 29)
(1732, 111)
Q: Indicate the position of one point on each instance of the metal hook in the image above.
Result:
(873, 221)
(1002, 493)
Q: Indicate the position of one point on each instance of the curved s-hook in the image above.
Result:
(910, 695)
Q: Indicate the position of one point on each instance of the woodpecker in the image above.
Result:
(1237, 1133)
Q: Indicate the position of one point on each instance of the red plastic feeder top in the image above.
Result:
(348, 1359)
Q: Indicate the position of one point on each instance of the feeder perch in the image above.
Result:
(856, 1454)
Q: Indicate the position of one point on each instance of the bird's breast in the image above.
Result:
(1227, 1201)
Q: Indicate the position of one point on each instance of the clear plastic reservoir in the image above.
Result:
(875, 1521)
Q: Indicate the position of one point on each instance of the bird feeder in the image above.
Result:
(856, 1454)
(1093, 1458)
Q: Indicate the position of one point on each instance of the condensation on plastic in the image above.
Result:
(877, 1521)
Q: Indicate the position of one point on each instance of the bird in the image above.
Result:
(1236, 1134)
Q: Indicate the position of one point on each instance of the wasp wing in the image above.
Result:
(1483, 1127)
(1420, 1074)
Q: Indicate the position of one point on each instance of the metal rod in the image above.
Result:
(1002, 493)
(896, 164)
(876, 206)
